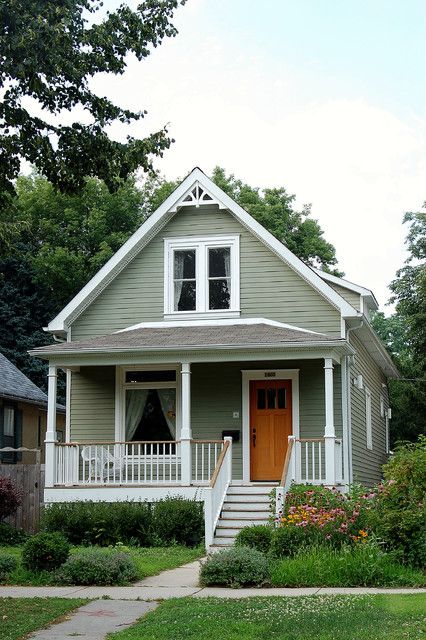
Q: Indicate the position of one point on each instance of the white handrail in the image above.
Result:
(219, 484)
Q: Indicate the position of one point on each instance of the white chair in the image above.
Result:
(103, 466)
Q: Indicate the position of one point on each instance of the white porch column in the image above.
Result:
(186, 433)
(51, 427)
(329, 433)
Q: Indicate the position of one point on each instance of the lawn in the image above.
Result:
(380, 617)
(20, 616)
(149, 562)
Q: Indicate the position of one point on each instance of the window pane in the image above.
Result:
(219, 294)
(184, 264)
(219, 262)
(261, 398)
(282, 404)
(150, 376)
(9, 421)
(185, 296)
(271, 398)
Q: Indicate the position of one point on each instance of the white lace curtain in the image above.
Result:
(135, 405)
(168, 406)
(179, 258)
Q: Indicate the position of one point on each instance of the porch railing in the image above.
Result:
(133, 463)
(219, 484)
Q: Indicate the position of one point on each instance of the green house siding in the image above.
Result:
(216, 393)
(92, 415)
(350, 296)
(366, 463)
(268, 287)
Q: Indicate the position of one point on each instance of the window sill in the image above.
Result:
(202, 315)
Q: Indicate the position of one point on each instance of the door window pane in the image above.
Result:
(282, 399)
(261, 398)
(271, 398)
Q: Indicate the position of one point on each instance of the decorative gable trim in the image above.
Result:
(160, 218)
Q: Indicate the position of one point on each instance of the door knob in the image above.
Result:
(253, 436)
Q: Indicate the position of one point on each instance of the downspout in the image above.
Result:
(348, 403)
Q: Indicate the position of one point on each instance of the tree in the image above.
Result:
(273, 208)
(404, 335)
(49, 53)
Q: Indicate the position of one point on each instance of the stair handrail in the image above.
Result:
(219, 463)
(219, 483)
(285, 479)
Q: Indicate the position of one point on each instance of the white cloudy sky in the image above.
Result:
(326, 98)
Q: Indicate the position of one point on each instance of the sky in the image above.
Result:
(326, 98)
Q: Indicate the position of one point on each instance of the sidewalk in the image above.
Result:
(178, 583)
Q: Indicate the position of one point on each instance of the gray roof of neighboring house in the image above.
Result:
(182, 337)
(14, 385)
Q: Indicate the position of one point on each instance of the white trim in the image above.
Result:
(368, 420)
(259, 374)
(387, 433)
(68, 378)
(201, 245)
(218, 322)
(160, 217)
(345, 422)
(120, 393)
(346, 284)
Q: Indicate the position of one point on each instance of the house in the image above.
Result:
(205, 359)
(23, 411)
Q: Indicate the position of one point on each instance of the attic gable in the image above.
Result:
(197, 189)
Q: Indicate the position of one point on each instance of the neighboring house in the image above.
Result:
(23, 409)
(201, 328)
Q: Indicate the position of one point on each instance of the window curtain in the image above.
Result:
(168, 406)
(227, 262)
(179, 258)
(135, 405)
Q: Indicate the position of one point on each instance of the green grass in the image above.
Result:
(361, 566)
(149, 562)
(381, 617)
(20, 616)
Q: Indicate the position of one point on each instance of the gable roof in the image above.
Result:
(365, 293)
(196, 189)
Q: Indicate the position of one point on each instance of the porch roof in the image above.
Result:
(232, 336)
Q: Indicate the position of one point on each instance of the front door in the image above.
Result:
(270, 426)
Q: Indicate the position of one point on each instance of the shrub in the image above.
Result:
(11, 536)
(287, 541)
(101, 523)
(8, 564)
(256, 537)
(362, 565)
(97, 567)
(10, 497)
(45, 551)
(236, 567)
(399, 517)
(179, 520)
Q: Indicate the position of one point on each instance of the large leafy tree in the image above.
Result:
(404, 334)
(49, 52)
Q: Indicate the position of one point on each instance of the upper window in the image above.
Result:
(202, 275)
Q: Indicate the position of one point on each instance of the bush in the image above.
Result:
(97, 567)
(11, 536)
(287, 541)
(8, 564)
(178, 520)
(399, 517)
(101, 523)
(45, 552)
(236, 567)
(10, 498)
(362, 565)
(256, 537)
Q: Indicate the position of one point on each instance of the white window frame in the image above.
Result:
(201, 244)
(121, 387)
(368, 422)
(387, 434)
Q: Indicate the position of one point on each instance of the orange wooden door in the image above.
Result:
(270, 426)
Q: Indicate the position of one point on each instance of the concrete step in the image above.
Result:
(240, 523)
(248, 497)
(245, 506)
(222, 543)
(248, 514)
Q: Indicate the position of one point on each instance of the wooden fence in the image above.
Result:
(29, 478)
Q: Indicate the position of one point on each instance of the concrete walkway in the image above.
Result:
(95, 620)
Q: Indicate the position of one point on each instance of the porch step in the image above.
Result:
(244, 505)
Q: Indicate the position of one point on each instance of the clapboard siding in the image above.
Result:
(350, 296)
(268, 287)
(216, 393)
(367, 463)
(93, 404)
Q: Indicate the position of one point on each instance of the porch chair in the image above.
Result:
(103, 466)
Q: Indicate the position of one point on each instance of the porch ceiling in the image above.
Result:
(237, 337)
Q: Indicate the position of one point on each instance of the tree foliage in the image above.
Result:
(49, 52)
(404, 334)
